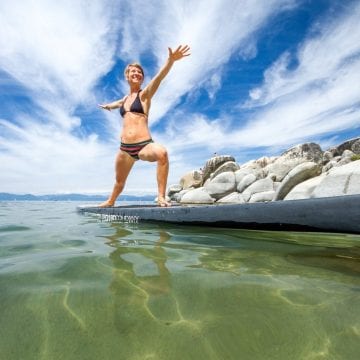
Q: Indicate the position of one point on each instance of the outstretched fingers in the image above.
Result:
(185, 49)
(180, 52)
(105, 107)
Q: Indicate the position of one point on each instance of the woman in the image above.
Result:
(136, 142)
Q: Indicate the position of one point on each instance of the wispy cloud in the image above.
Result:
(215, 30)
(319, 96)
(57, 53)
(56, 48)
(330, 47)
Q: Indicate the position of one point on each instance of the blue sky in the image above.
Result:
(263, 76)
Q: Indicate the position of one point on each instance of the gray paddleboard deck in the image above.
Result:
(338, 214)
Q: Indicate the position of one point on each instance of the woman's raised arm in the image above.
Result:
(179, 53)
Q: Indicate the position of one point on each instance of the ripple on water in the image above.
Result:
(10, 228)
(22, 248)
(73, 242)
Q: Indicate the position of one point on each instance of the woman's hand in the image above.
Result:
(105, 107)
(179, 53)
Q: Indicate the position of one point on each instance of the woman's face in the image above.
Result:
(135, 75)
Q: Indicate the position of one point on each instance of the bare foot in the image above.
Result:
(163, 203)
(106, 203)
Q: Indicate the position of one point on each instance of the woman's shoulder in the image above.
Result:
(122, 100)
(144, 93)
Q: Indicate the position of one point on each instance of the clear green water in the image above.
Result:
(73, 287)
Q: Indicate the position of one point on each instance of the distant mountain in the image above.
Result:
(69, 197)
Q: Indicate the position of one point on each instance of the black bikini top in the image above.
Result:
(136, 106)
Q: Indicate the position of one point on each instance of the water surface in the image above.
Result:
(76, 287)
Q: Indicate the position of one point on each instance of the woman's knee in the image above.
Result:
(163, 156)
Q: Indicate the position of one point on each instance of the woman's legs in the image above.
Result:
(156, 152)
(123, 165)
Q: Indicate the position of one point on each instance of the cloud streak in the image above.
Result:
(58, 48)
(320, 96)
(214, 30)
(320, 57)
(57, 55)
(54, 53)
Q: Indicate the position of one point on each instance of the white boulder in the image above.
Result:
(214, 163)
(178, 196)
(293, 157)
(228, 166)
(221, 185)
(262, 196)
(355, 147)
(233, 198)
(197, 196)
(342, 180)
(305, 189)
(191, 179)
(173, 189)
(245, 182)
(259, 186)
(297, 175)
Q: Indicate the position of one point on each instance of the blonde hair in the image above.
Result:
(127, 69)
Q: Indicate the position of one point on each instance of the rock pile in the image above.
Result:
(304, 171)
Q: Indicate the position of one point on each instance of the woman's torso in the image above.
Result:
(135, 123)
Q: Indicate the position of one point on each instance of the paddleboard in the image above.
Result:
(335, 214)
